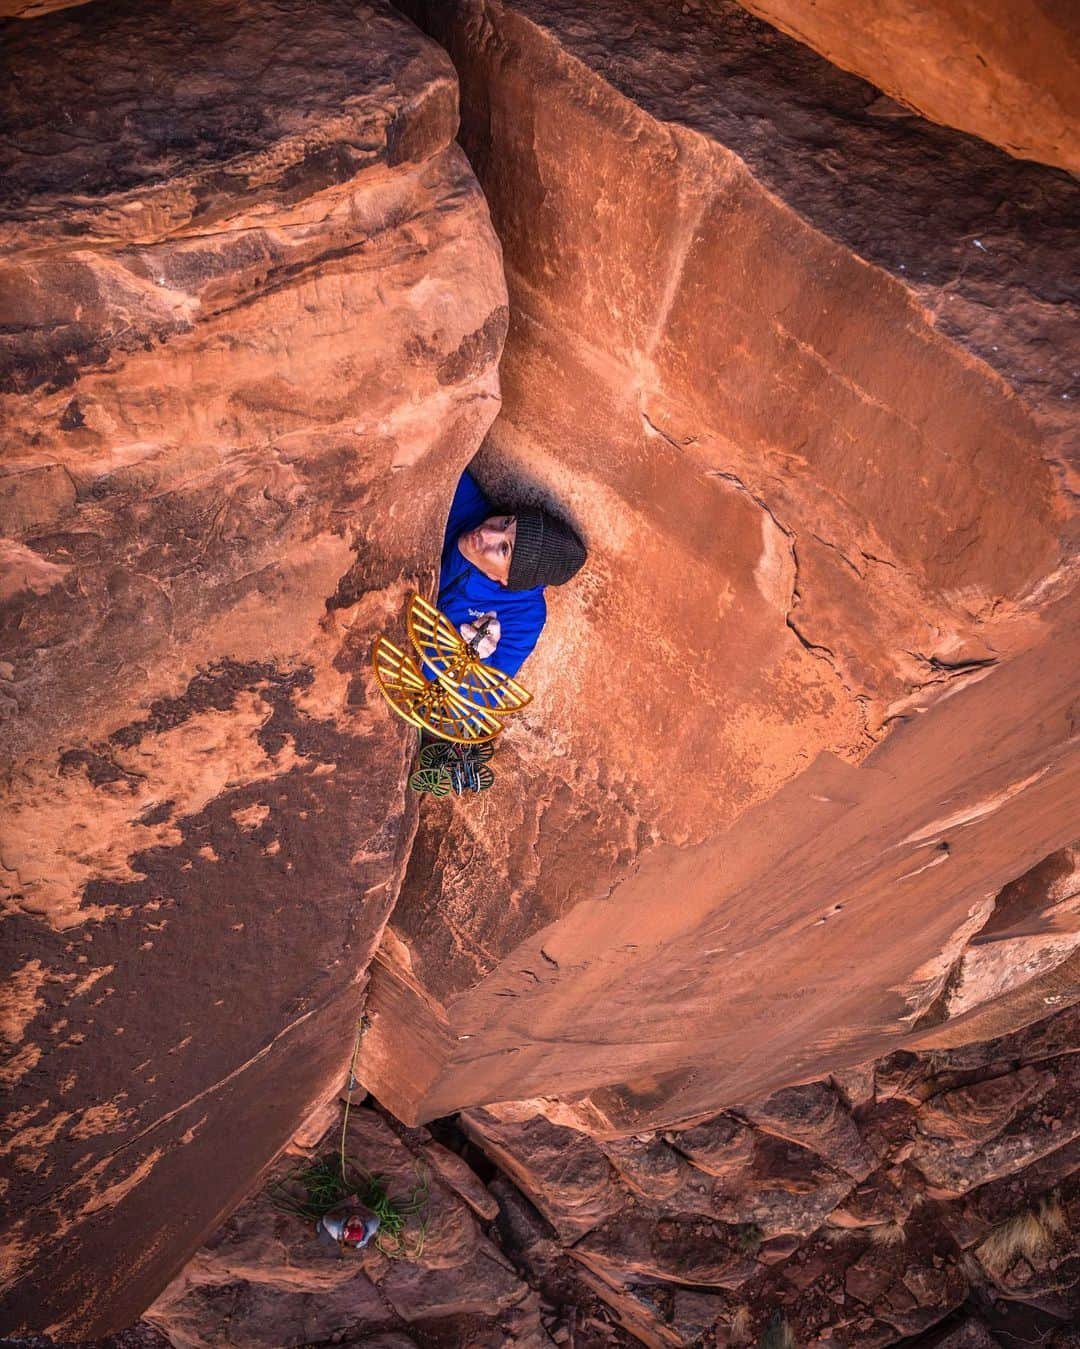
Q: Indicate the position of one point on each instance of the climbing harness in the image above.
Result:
(463, 707)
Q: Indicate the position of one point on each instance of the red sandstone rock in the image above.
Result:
(973, 1115)
(884, 1264)
(1034, 1136)
(653, 1170)
(564, 1173)
(1034, 928)
(1000, 1142)
(785, 1190)
(815, 1117)
(971, 1335)
(266, 1277)
(872, 1204)
(252, 312)
(864, 1285)
(819, 495)
(811, 413)
(718, 1146)
(689, 1252)
(694, 1313)
(1011, 76)
(33, 9)
(855, 1085)
(455, 1173)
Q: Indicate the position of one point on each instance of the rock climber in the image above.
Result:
(495, 565)
(349, 1225)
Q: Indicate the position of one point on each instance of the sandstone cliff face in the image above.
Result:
(1010, 75)
(800, 781)
(803, 374)
(252, 301)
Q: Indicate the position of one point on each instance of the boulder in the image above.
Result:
(1014, 1139)
(689, 1252)
(785, 1190)
(720, 1146)
(563, 1172)
(654, 1170)
(872, 1204)
(461, 1178)
(815, 1117)
(972, 1115)
(694, 1313)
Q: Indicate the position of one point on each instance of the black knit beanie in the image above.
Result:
(546, 551)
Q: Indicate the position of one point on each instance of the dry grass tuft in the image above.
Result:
(1030, 1234)
(1053, 1216)
(887, 1234)
(740, 1325)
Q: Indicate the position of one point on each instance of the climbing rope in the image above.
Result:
(350, 1086)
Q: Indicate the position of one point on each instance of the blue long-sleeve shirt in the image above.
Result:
(465, 592)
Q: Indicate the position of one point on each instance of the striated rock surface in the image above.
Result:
(804, 376)
(1010, 75)
(995, 70)
(252, 310)
(867, 1262)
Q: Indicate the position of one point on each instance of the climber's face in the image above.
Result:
(490, 546)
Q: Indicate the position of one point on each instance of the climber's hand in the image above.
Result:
(489, 641)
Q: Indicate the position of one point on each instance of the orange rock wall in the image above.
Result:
(800, 778)
(33, 9)
(757, 351)
(1007, 73)
(253, 308)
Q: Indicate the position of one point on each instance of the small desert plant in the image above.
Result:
(313, 1189)
(778, 1335)
(1030, 1234)
(739, 1331)
(887, 1234)
(748, 1237)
